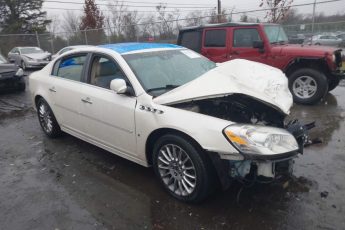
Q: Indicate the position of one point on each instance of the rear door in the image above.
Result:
(215, 46)
(66, 90)
(242, 39)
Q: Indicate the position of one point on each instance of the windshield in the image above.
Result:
(2, 60)
(275, 34)
(31, 50)
(161, 71)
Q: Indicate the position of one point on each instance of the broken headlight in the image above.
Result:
(251, 139)
(19, 72)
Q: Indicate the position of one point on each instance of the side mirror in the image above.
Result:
(258, 44)
(119, 86)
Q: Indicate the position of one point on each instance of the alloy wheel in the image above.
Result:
(177, 170)
(304, 87)
(45, 118)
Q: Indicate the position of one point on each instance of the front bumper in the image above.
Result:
(257, 165)
(11, 82)
(36, 64)
(339, 74)
(275, 157)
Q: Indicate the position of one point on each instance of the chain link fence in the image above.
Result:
(53, 42)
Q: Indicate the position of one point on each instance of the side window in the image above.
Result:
(215, 38)
(191, 40)
(103, 71)
(323, 37)
(71, 67)
(245, 37)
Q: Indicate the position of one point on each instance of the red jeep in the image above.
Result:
(312, 70)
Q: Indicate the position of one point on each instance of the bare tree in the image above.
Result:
(71, 22)
(166, 27)
(55, 23)
(148, 27)
(278, 9)
(195, 18)
(213, 16)
(244, 18)
(117, 17)
(131, 30)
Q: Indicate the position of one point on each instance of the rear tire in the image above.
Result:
(182, 168)
(47, 119)
(308, 86)
(333, 82)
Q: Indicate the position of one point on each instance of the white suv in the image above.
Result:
(196, 122)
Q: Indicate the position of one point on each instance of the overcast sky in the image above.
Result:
(239, 6)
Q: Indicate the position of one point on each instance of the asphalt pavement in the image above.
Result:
(66, 183)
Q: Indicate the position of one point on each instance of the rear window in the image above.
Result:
(215, 38)
(191, 40)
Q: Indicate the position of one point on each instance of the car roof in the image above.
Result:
(77, 46)
(226, 24)
(122, 48)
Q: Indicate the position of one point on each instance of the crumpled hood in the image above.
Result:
(38, 56)
(257, 80)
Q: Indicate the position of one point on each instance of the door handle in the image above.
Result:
(52, 89)
(235, 52)
(86, 100)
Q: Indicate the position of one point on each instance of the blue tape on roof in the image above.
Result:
(129, 47)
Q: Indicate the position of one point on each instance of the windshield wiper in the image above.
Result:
(167, 87)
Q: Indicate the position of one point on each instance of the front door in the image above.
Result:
(108, 117)
(215, 45)
(242, 40)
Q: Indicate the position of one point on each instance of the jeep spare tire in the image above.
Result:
(308, 86)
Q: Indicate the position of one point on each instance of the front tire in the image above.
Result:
(47, 119)
(308, 86)
(182, 168)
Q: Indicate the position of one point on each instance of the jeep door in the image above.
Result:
(242, 40)
(215, 44)
(108, 117)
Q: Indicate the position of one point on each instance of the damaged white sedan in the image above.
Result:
(197, 123)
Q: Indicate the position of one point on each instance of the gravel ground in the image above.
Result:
(66, 183)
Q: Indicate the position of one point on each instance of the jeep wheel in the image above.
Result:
(308, 86)
(182, 168)
(333, 82)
